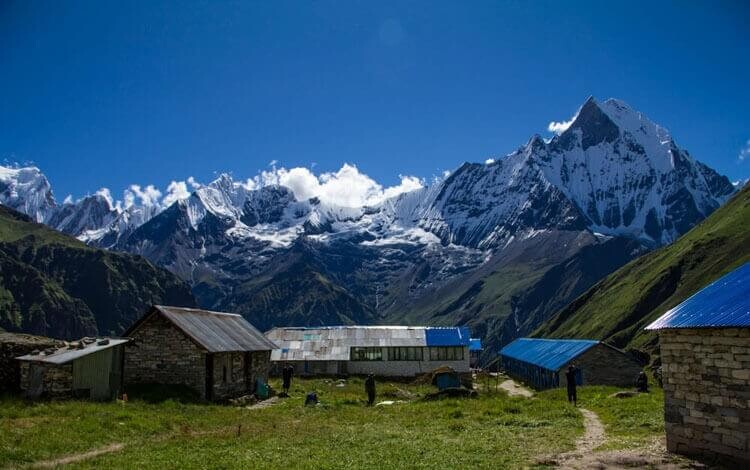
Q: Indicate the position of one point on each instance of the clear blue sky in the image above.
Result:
(113, 93)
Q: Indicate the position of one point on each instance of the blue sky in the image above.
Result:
(115, 93)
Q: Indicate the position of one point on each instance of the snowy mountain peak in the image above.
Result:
(27, 190)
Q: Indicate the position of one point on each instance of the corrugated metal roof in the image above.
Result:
(333, 343)
(458, 336)
(549, 354)
(216, 331)
(725, 303)
(475, 344)
(73, 351)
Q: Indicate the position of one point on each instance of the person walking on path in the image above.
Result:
(370, 389)
(570, 377)
(286, 378)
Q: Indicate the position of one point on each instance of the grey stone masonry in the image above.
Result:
(706, 375)
(162, 354)
(604, 365)
(57, 380)
(229, 375)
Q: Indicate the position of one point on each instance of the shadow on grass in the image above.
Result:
(158, 393)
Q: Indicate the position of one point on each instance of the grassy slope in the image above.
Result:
(493, 431)
(52, 284)
(618, 307)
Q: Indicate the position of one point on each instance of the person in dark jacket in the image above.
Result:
(286, 378)
(370, 389)
(570, 378)
(641, 383)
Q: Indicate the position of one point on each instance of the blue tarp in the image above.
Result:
(725, 303)
(453, 336)
(550, 354)
(475, 344)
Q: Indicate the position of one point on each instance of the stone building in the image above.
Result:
(386, 351)
(89, 368)
(705, 353)
(219, 355)
(542, 363)
(13, 345)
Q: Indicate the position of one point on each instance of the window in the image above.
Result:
(224, 374)
(367, 354)
(444, 353)
(405, 354)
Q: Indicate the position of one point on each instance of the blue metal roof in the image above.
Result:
(451, 336)
(549, 354)
(725, 303)
(475, 344)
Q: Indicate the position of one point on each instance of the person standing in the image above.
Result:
(370, 389)
(286, 378)
(641, 383)
(570, 378)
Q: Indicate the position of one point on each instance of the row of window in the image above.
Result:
(442, 353)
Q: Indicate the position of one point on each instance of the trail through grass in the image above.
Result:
(494, 430)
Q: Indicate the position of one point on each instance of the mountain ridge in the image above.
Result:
(465, 249)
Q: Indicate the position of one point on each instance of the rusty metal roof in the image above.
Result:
(333, 343)
(725, 303)
(73, 350)
(215, 331)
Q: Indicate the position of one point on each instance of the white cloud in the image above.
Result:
(148, 196)
(489, 161)
(745, 151)
(347, 187)
(193, 184)
(560, 127)
(176, 191)
(107, 195)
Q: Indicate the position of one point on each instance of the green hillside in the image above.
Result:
(622, 304)
(54, 285)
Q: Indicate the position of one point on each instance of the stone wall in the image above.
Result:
(603, 365)
(229, 375)
(239, 379)
(706, 376)
(57, 380)
(260, 366)
(162, 354)
(13, 345)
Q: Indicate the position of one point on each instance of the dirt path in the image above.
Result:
(654, 456)
(73, 458)
(515, 390)
(263, 404)
(593, 437)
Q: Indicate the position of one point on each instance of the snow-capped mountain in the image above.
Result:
(467, 248)
(28, 191)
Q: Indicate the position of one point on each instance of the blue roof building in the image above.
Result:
(725, 303)
(542, 363)
(705, 354)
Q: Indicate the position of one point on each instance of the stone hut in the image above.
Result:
(705, 353)
(542, 363)
(13, 345)
(89, 368)
(219, 355)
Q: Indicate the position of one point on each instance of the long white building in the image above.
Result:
(386, 351)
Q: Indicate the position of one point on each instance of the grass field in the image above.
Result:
(493, 430)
